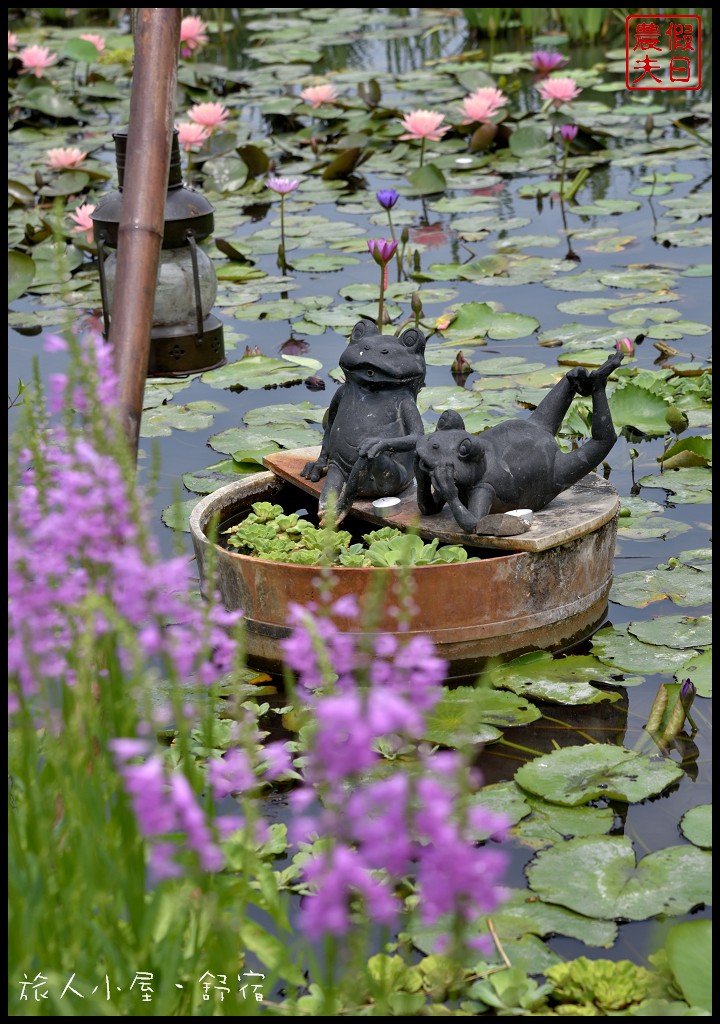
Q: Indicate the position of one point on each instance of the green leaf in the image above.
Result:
(625, 653)
(678, 631)
(636, 407)
(576, 775)
(80, 50)
(689, 950)
(255, 372)
(613, 885)
(177, 515)
(696, 825)
(682, 584)
(558, 680)
(466, 714)
(699, 671)
(476, 319)
(528, 140)
(21, 271)
(205, 481)
(427, 180)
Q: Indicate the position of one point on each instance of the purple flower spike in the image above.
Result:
(387, 198)
(568, 132)
(382, 250)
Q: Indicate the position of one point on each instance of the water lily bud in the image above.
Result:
(633, 453)
(416, 303)
(676, 420)
(649, 124)
(405, 235)
(626, 346)
(687, 694)
(460, 364)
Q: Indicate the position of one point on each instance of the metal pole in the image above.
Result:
(142, 216)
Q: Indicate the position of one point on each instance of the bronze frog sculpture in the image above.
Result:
(516, 464)
(383, 375)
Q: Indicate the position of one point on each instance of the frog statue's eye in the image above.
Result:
(465, 448)
(361, 329)
(413, 338)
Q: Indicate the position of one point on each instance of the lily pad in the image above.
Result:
(696, 826)
(476, 319)
(691, 485)
(20, 271)
(576, 775)
(256, 372)
(558, 680)
(623, 652)
(177, 515)
(552, 823)
(158, 422)
(520, 915)
(469, 715)
(613, 885)
(678, 631)
(636, 407)
(699, 671)
(205, 481)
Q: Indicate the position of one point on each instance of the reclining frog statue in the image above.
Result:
(514, 465)
(383, 375)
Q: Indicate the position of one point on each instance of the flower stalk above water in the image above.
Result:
(424, 125)
(568, 133)
(283, 187)
(382, 251)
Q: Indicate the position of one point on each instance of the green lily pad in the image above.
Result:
(469, 715)
(20, 271)
(255, 372)
(177, 515)
(323, 262)
(69, 183)
(427, 180)
(691, 485)
(606, 206)
(636, 407)
(528, 140)
(699, 671)
(631, 528)
(689, 952)
(205, 481)
(616, 647)
(696, 826)
(613, 885)
(690, 451)
(685, 236)
(684, 585)
(558, 680)
(528, 953)
(476, 319)
(158, 422)
(51, 102)
(632, 506)
(576, 775)
(502, 798)
(552, 823)
(521, 915)
(678, 631)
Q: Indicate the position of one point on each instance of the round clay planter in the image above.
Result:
(503, 604)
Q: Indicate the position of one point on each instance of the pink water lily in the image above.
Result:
(282, 185)
(544, 61)
(12, 41)
(382, 250)
(210, 115)
(97, 41)
(83, 221)
(568, 132)
(559, 90)
(191, 135)
(625, 345)
(316, 95)
(65, 159)
(192, 35)
(36, 58)
(424, 124)
(482, 105)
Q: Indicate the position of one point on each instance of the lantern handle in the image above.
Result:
(190, 235)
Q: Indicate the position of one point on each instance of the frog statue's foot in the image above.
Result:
(500, 525)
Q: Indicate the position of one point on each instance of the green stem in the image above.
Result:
(422, 151)
(562, 169)
(392, 229)
(282, 220)
(382, 294)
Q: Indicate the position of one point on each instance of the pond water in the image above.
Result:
(628, 257)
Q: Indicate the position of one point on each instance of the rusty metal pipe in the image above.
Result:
(140, 232)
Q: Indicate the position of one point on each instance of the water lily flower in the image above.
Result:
(282, 185)
(559, 90)
(387, 198)
(625, 345)
(316, 95)
(210, 115)
(192, 35)
(65, 159)
(687, 694)
(544, 61)
(83, 221)
(424, 124)
(191, 134)
(482, 105)
(97, 41)
(35, 59)
(382, 250)
(12, 41)
(568, 132)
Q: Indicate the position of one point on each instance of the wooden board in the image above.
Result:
(580, 510)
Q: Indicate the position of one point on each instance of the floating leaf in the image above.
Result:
(520, 914)
(625, 653)
(696, 825)
(255, 372)
(528, 140)
(636, 407)
(576, 775)
(205, 481)
(699, 671)
(558, 680)
(689, 486)
(552, 823)
(468, 715)
(177, 515)
(613, 885)
(678, 631)
(475, 319)
(20, 271)
(66, 184)
(689, 951)
(427, 180)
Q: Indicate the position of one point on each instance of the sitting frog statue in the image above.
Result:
(383, 375)
(513, 465)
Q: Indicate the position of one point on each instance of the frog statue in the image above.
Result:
(383, 375)
(516, 464)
